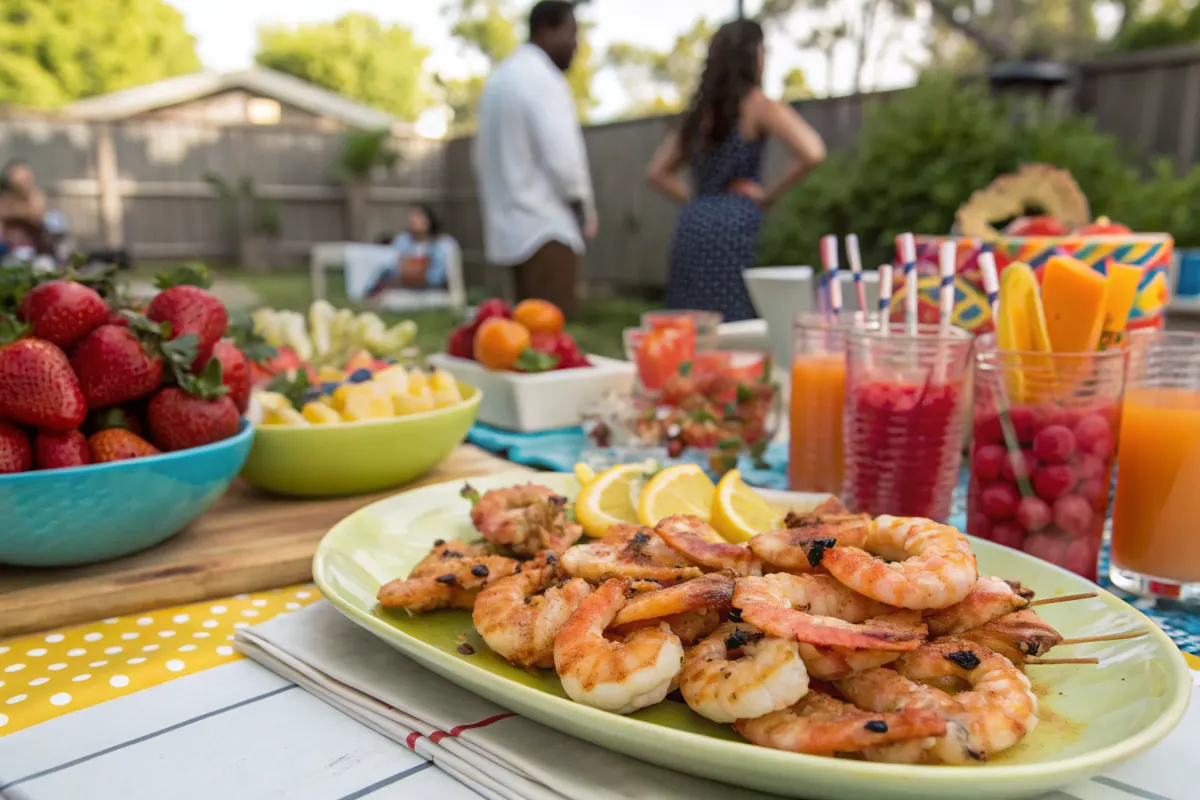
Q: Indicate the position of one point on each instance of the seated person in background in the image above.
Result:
(22, 207)
(421, 255)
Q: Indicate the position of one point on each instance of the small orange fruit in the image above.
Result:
(500, 342)
(539, 316)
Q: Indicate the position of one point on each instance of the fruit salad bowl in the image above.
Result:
(357, 457)
(81, 515)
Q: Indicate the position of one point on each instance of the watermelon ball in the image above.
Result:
(1048, 414)
(1047, 546)
(987, 461)
(1016, 465)
(1053, 481)
(1092, 490)
(1054, 444)
(999, 500)
(979, 525)
(1033, 514)
(1087, 467)
(987, 430)
(1008, 534)
(1082, 555)
(1094, 435)
(1024, 423)
(1073, 514)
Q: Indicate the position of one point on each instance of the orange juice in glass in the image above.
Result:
(1156, 525)
(817, 404)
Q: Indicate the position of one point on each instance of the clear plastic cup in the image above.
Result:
(1155, 534)
(906, 410)
(818, 401)
(1045, 427)
(703, 322)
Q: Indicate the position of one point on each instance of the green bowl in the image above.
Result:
(1092, 717)
(357, 457)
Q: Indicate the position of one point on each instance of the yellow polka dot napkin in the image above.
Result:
(49, 674)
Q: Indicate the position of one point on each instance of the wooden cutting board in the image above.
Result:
(247, 542)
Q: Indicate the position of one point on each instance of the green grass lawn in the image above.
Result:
(598, 330)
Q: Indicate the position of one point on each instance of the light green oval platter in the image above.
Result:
(1091, 716)
(357, 457)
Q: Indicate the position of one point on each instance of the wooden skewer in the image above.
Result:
(1048, 661)
(1112, 637)
(1066, 598)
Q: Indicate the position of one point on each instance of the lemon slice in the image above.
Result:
(584, 474)
(606, 499)
(739, 513)
(682, 489)
(1022, 323)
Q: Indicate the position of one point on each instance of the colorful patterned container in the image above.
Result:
(1152, 252)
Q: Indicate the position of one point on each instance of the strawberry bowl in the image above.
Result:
(81, 515)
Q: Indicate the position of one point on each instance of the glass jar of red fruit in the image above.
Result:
(1044, 436)
(905, 419)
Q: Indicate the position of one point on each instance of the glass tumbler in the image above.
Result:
(818, 401)
(703, 322)
(1045, 429)
(1156, 533)
(905, 414)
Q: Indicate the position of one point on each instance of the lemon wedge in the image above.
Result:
(584, 474)
(606, 499)
(1022, 323)
(682, 489)
(739, 513)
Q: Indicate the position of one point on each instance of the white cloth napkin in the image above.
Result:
(504, 756)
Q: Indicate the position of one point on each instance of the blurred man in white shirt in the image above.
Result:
(531, 163)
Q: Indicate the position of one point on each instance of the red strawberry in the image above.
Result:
(461, 342)
(491, 308)
(15, 453)
(235, 373)
(126, 417)
(115, 367)
(37, 386)
(63, 312)
(191, 311)
(179, 420)
(59, 449)
(117, 444)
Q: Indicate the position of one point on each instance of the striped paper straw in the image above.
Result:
(885, 298)
(854, 259)
(947, 258)
(908, 257)
(991, 283)
(829, 266)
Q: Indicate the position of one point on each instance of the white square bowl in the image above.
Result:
(541, 401)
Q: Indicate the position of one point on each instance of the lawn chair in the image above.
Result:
(362, 264)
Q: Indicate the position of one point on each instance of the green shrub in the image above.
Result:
(922, 153)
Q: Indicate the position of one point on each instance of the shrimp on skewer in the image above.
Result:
(628, 551)
(738, 672)
(932, 565)
(617, 676)
(800, 546)
(444, 552)
(527, 518)
(692, 609)
(1015, 636)
(814, 609)
(456, 585)
(990, 598)
(823, 725)
(520, 615)
(695, 539)
(832, 663)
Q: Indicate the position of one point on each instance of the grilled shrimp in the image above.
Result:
(832, 663)
(814, 609)
(690, 626)
(1015, 636)
(718, 684)
(695, 539)
(932, 565)
(527, 519)
(618, 676)
(996, 713)
(990, 598)
(800, 546)
(713, 591)
(520, 615)
(628, 551)
(456, 586)
(444, 552)
(823, 725)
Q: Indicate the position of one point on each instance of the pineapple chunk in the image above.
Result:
(445, 389)
(367, 401)
(284, 416)
(413, 401)
(271, 401)
(340, 394)
(417, 379)
(320, 414)
(395, 379)
(328, 374)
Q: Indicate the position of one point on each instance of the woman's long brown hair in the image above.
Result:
(730, 73)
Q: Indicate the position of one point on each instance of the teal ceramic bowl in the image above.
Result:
(66, 517)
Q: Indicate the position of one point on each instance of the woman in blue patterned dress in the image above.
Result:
(722, 137)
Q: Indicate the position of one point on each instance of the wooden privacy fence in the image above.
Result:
(140, 183)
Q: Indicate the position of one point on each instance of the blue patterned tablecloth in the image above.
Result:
(559, 450)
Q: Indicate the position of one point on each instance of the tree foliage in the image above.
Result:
(357, 56)
(53, 52)
(663, 78)
(1169, 25)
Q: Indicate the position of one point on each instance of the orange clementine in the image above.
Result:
(499, 342)
(539, 316)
